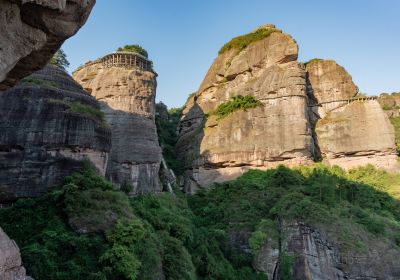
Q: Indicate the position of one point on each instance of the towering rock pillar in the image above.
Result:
(125, 84)
(350, 130)
(275, 132)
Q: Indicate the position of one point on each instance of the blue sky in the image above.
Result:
(183, 36)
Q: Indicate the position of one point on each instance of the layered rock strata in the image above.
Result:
(310, 253)
(32, 31)
(48, 124)
(127, 98)
(350, 131)
(10, 259)
(296, 123)
(278, 132)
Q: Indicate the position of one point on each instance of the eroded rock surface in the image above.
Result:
(48, 124)
(310, 253)
(10, 259)
(262, 137)
(32, 31)
(127, 98)
(350, 131)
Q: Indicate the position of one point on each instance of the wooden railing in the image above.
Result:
(348, 101)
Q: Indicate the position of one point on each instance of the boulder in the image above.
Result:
(33, 30)
(49, 124)
(10, 259)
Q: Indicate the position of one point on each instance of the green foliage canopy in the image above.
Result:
(134, 48)
(60, 59)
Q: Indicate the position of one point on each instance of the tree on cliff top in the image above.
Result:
(60, 59)
(134, 48)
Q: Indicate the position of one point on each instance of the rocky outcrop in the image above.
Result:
(10, 259)
(49, 124)
(296, 122)
(350, 131)
(309, 253)
(127, 98)
(278, 132)
(390, 104)
(32, 31)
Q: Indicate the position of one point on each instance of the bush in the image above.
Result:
(120, 263)
(236, 103)
(241, 42)
(134, 48)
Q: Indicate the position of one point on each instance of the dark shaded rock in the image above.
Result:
(49, 124)
(32, 31)
(127, 97)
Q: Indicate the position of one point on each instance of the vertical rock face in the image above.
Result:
(32, 31)
(127, 98)
(301, 108)
(310, 254)
(276, 132)
(48, 124)
(10, 259)
(350, 132)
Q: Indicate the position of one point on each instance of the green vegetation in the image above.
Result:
(236, 103)
(167, 137)
(194, 237)
(60, 59)
(134, 48)
(396, 125)
(312, 60)
(241, 42)
(38, 82)
(79, 108)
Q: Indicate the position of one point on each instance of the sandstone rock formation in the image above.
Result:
(127, 97)
(299, 103)
(32, 31)
(350, 131)
(277, 132)
(48, 125)
(313, 254)
(10, 259)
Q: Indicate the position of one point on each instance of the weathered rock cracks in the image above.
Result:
(293, 126)
(32, 31)
(127, 98)
(48, 124)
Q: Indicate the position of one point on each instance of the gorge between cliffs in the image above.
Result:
(273, 169)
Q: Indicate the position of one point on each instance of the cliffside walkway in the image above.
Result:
(127, 60)
(346, 101)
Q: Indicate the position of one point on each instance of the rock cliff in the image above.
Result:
(292, 121)
(10, 259)
(32, 31)
(310, 253)
(350, 131)
(127, 98)
(276, 132)
(49, 125)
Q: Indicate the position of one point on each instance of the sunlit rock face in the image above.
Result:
(10, 259)
(293, 125)
(350, 131)
(127, 98)
(278, 132)
(48, 126)
(31, 31)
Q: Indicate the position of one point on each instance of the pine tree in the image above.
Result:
(60, 59)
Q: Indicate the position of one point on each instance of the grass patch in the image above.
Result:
(39, 82)
(312, 60)
(83, 109)
(236, 103)
(241, 42)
